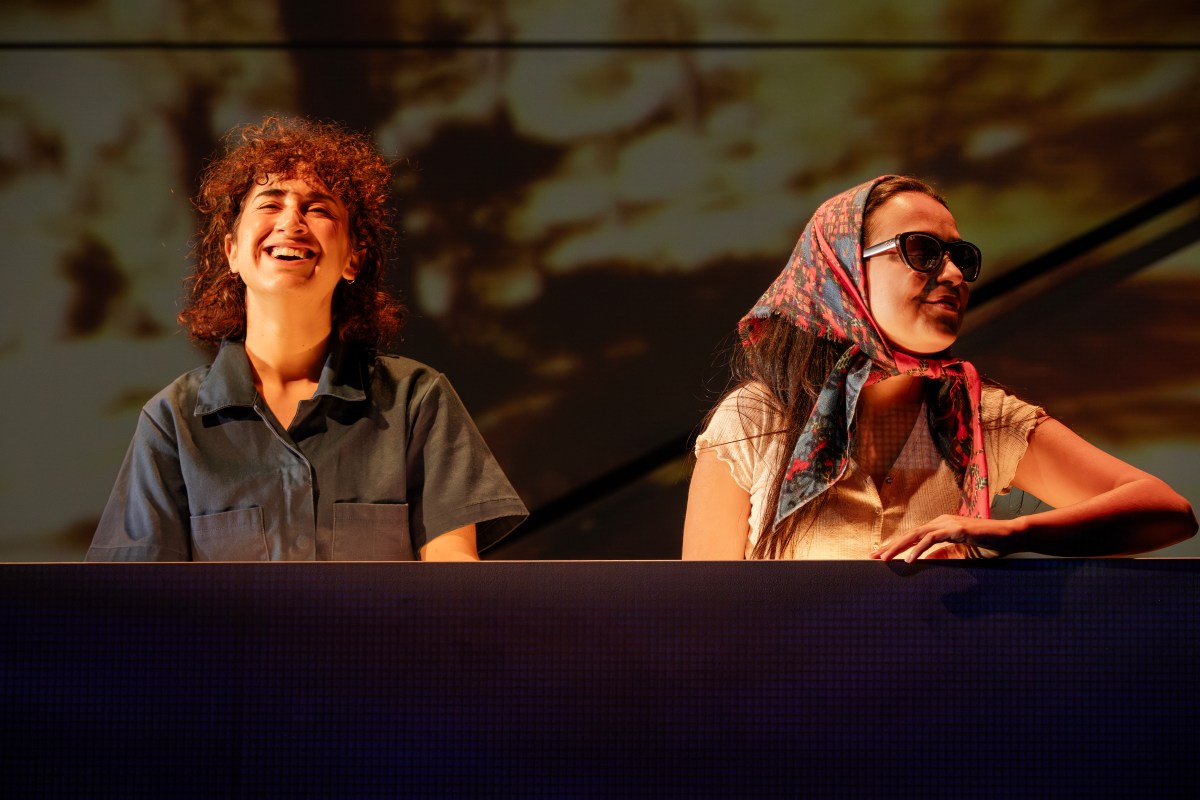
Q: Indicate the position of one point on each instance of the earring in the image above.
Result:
(349, 280)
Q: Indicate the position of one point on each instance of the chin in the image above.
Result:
(924, 337)
(940, 341)
(927, 348)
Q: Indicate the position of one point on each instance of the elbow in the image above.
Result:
(1188, 520)
(1159, 517)
(1178, 516)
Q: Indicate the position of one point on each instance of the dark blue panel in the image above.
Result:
(638, 679)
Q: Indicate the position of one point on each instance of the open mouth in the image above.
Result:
(290, 253)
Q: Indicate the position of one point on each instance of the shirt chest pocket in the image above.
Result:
(230, 536)
(371, 532)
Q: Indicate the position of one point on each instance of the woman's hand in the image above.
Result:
(950, 530)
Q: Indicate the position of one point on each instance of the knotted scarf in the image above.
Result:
(822, 290)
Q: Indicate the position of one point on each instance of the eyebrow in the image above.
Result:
(315, 197)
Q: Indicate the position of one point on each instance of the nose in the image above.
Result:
(290, 219)
(949, 271)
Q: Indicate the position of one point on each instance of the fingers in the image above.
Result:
(949, 530)
(896, 545)
(915, 546)
(918, 541)
(922, 545)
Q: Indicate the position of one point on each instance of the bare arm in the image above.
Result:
(1102, 507)
(717, 524)
(455, 545)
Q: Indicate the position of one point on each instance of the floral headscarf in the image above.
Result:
(823, 291)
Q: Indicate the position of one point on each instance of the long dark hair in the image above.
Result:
(794, 364)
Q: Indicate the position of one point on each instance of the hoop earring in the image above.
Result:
(348, 281)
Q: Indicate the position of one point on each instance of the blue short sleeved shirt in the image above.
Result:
(382, 459)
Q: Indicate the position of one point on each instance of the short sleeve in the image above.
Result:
(146, 517)
(1007, 423)
(454, 478)
(737, 433)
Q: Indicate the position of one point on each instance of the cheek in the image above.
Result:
(238, 242)
(888, 297)
(883, 292)
(872, 279)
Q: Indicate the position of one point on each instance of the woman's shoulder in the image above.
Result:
(747, 410)
(751, 397)
(1002, 410)
(402, 368)
(172, 405)
(998, 399)
(419, 384)
(753, 392)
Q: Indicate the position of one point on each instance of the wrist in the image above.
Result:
(1017, 532)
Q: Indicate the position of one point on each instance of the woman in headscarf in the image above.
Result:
(852, 432)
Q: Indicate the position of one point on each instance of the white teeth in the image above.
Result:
(288, 252)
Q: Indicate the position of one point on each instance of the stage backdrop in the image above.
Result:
(591, 194)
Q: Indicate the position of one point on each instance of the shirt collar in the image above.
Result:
(344, 373)
(230, 383)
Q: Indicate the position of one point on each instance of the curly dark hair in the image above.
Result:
(351, 167)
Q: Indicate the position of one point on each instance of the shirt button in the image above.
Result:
(888, 479)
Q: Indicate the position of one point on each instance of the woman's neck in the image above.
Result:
(286, 367)
(884, 409)
(898, 390)
(280, 356)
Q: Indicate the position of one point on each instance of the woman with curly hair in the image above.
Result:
(852, 433)
(302, 440)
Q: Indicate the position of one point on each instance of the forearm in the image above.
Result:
(455, 545)
(1135, 517)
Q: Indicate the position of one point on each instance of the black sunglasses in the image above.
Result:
(923, 252)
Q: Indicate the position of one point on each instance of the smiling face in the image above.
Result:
(917, 313)
(291, 239)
